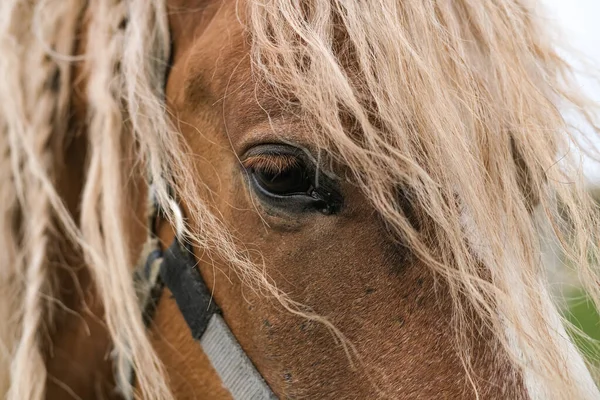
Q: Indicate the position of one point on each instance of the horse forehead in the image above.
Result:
(210, 41)
(212, 68)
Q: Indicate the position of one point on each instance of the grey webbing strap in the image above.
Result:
(231, 363)
(177, 270)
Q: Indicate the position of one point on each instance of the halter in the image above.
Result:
(176, 268)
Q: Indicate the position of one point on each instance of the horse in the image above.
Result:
(338, 198)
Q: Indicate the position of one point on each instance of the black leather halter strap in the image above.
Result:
(179, 272)
(177, 269)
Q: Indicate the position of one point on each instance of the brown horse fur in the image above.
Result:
(393, 311)
(413, 355)
(406, 346)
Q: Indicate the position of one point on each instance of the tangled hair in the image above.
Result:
(455, 103)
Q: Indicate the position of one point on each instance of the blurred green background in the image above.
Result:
(582, 313)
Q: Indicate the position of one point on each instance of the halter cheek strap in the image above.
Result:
(176, 268)
(179, 273)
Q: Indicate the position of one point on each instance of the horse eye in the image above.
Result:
(284, 178)
(292, 179)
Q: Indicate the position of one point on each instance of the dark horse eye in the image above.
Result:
(291, 180)
(285, 177)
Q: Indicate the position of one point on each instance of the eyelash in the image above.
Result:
(272, 163)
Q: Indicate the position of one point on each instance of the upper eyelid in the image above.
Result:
(271, 162)
(298, 152)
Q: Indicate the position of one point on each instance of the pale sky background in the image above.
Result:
(580, 22)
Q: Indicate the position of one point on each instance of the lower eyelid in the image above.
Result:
(296, 202)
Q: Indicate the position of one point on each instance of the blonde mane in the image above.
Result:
(456, 102)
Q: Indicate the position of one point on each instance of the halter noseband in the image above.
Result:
(176, 268)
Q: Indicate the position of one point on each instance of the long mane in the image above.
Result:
(459, 109)
(455, 103)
